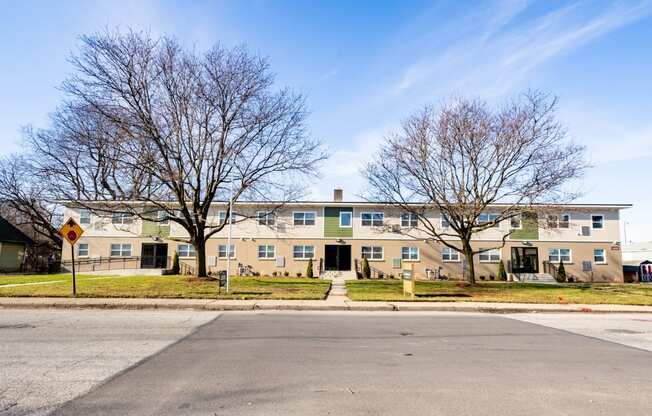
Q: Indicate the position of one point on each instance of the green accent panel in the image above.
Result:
(11, 255)
(153, 228)
(529, 228)
(332, 222)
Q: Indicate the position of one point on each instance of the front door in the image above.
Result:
(154, 256)
(337, 257)
(525, 260)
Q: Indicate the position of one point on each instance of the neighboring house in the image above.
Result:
(13, 246)
(337, 234)
(636, 253)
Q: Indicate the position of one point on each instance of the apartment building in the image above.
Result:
(337, 234)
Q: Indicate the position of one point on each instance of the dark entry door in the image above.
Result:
(338, 257)
(154, 256)
(525, 260)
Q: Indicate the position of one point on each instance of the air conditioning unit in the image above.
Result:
(211, 261)
(586, 231)
(396, 228)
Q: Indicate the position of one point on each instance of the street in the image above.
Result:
(301, 363)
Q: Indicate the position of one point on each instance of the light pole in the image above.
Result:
(228, 243)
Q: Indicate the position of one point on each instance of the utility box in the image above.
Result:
(408, 281)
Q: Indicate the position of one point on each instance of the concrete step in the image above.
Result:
(532, 278)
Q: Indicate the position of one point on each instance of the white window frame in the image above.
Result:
(303, 218)
(488, 256)
(604, 256)
(519, 218)
(122, 249)
(221, 217)
(601, 222)
(350, 214)
(163, 217)
(558, 256)
(79, 250)
(266, 218)
(409, 220)
(230, 251)
(411, 250)
(558, 220)
(373, 220)
(189, 251)
(444, 222)
(447, 251)
(267, 252)
(304, 252)
(490, 217)
(84, 219)
(373, 250)
(125, 218)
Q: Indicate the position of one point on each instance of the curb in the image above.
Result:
(318, 305)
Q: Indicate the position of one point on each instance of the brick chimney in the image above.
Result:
(337, 194)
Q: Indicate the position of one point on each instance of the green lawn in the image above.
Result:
(387, 290)
(166, 287)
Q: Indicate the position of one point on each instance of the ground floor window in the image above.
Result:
(266, 251)
(555, 255)
(186, 250)
(490, 256)
(448, 254)
(409, 253)
(82, 250)
(303, 252)
(222, 251)
(372, 252)
(120, 250)
(599, 256)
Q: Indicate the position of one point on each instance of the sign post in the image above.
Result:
(408, 280)
(71, 231)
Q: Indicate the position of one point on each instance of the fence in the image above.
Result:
(92, 264)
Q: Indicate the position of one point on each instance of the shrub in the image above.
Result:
(298, 274)
(561, 272)
(175, 263)
(502, 273)
(274, 274)
(286, 273)
(309, 269)
(366, 270)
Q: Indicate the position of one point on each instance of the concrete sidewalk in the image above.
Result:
(335, 304)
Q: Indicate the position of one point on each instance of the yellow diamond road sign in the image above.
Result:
(71, 231)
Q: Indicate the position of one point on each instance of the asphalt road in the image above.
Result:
(379, 363)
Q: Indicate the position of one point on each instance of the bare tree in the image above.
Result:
(467, 158)
(173, 130)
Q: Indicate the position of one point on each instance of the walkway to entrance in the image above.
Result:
(337, 293)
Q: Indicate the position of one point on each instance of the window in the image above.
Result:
(445, 222)
(221, 251)
(515, 222)
(555, 255)
(121, 218)
(597, 222)
(490, 256)
(409, 219)
(82, 250)
(372, 219)
(599, 256)
(120, 250)
(487, 218)
(303, 252)
(559, 221)
(266, 251)
(266, 218)
(372, 252)
(186, 250)
(409, 253)
(84, 217)
(345, 219)
(163, 217)
(221, 217)
(304, 218)
(448, 254)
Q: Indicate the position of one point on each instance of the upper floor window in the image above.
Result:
(82, 250)
(266, 251)
(448, 254)
(345, 219)
(84, 216)
(487, 218)
(304, 218)
(120, 250)
(303, 252)
(516, 222)
(163, 217)
(409, 219)
(222, 251)
(372, 252)
(445, 222)
(555, 255)
(490, 256)
(559, 221)
(186, 250)
(599, 256)
(221, 217)
(410, 253)
(266, 218)
(121, 218)
(372, 219)
(597, 222)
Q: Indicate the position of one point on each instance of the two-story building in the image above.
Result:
(337, 234)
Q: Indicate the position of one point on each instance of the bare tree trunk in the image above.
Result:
(468, 254)
(200, 258)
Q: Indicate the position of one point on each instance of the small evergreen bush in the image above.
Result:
(366, 270)
(561, 272)
(175, 263)
(309, 272)
(502, 273)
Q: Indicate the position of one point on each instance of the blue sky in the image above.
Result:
(366, 65)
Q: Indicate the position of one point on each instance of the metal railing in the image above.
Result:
(373, 272)
(92, 264)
